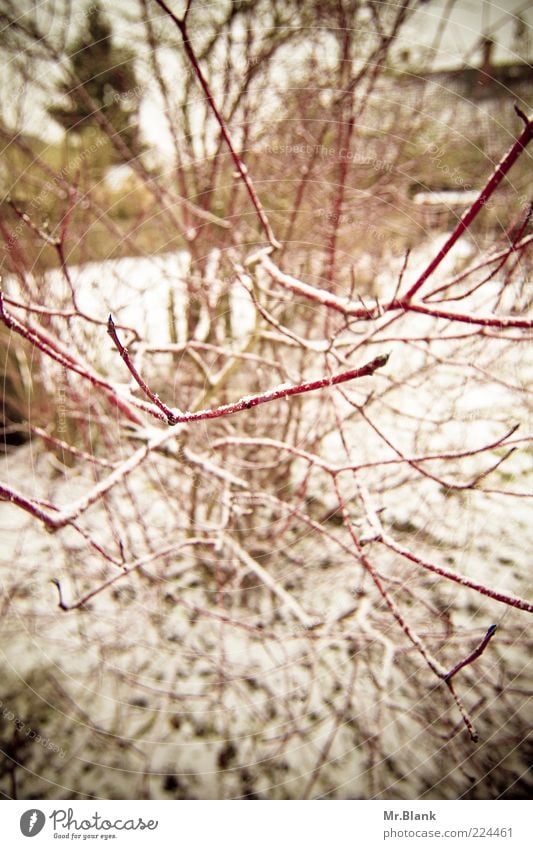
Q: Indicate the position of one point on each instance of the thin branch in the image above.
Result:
(475, 654)
(284, 391)
(456, 577)
(474, 736)
(482, 321)
(353, 308)
(305, 620)
(45, 343)
(70, 449)
(314, 459)
(137, 377)
(54, 521)
(432, 662)
(250, 401)
(516, 247)
(127, 570)
(239, 164)
(448, 485)
(499, 173)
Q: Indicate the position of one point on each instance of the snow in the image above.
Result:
(135, 290)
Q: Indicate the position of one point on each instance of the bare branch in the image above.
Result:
(501, 170)
(475, 654)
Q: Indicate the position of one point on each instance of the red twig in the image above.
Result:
(250, 401)
(483, 321)
(475, 654)
(516, 247)
(8, 494)
(58, 243)
(448, 485)
(497, 595)
(474, 736)
(137, 377)
(283, 392)
(501, 258)
(127, 570)
(70, 449)
(314, 459)
(49, 312)
(239, 164)
(501, 170)
(60, 518)
(45, 343)
(432, 662)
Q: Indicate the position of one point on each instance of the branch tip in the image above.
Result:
(521, 115)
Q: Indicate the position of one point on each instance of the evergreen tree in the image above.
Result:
(105, 73)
